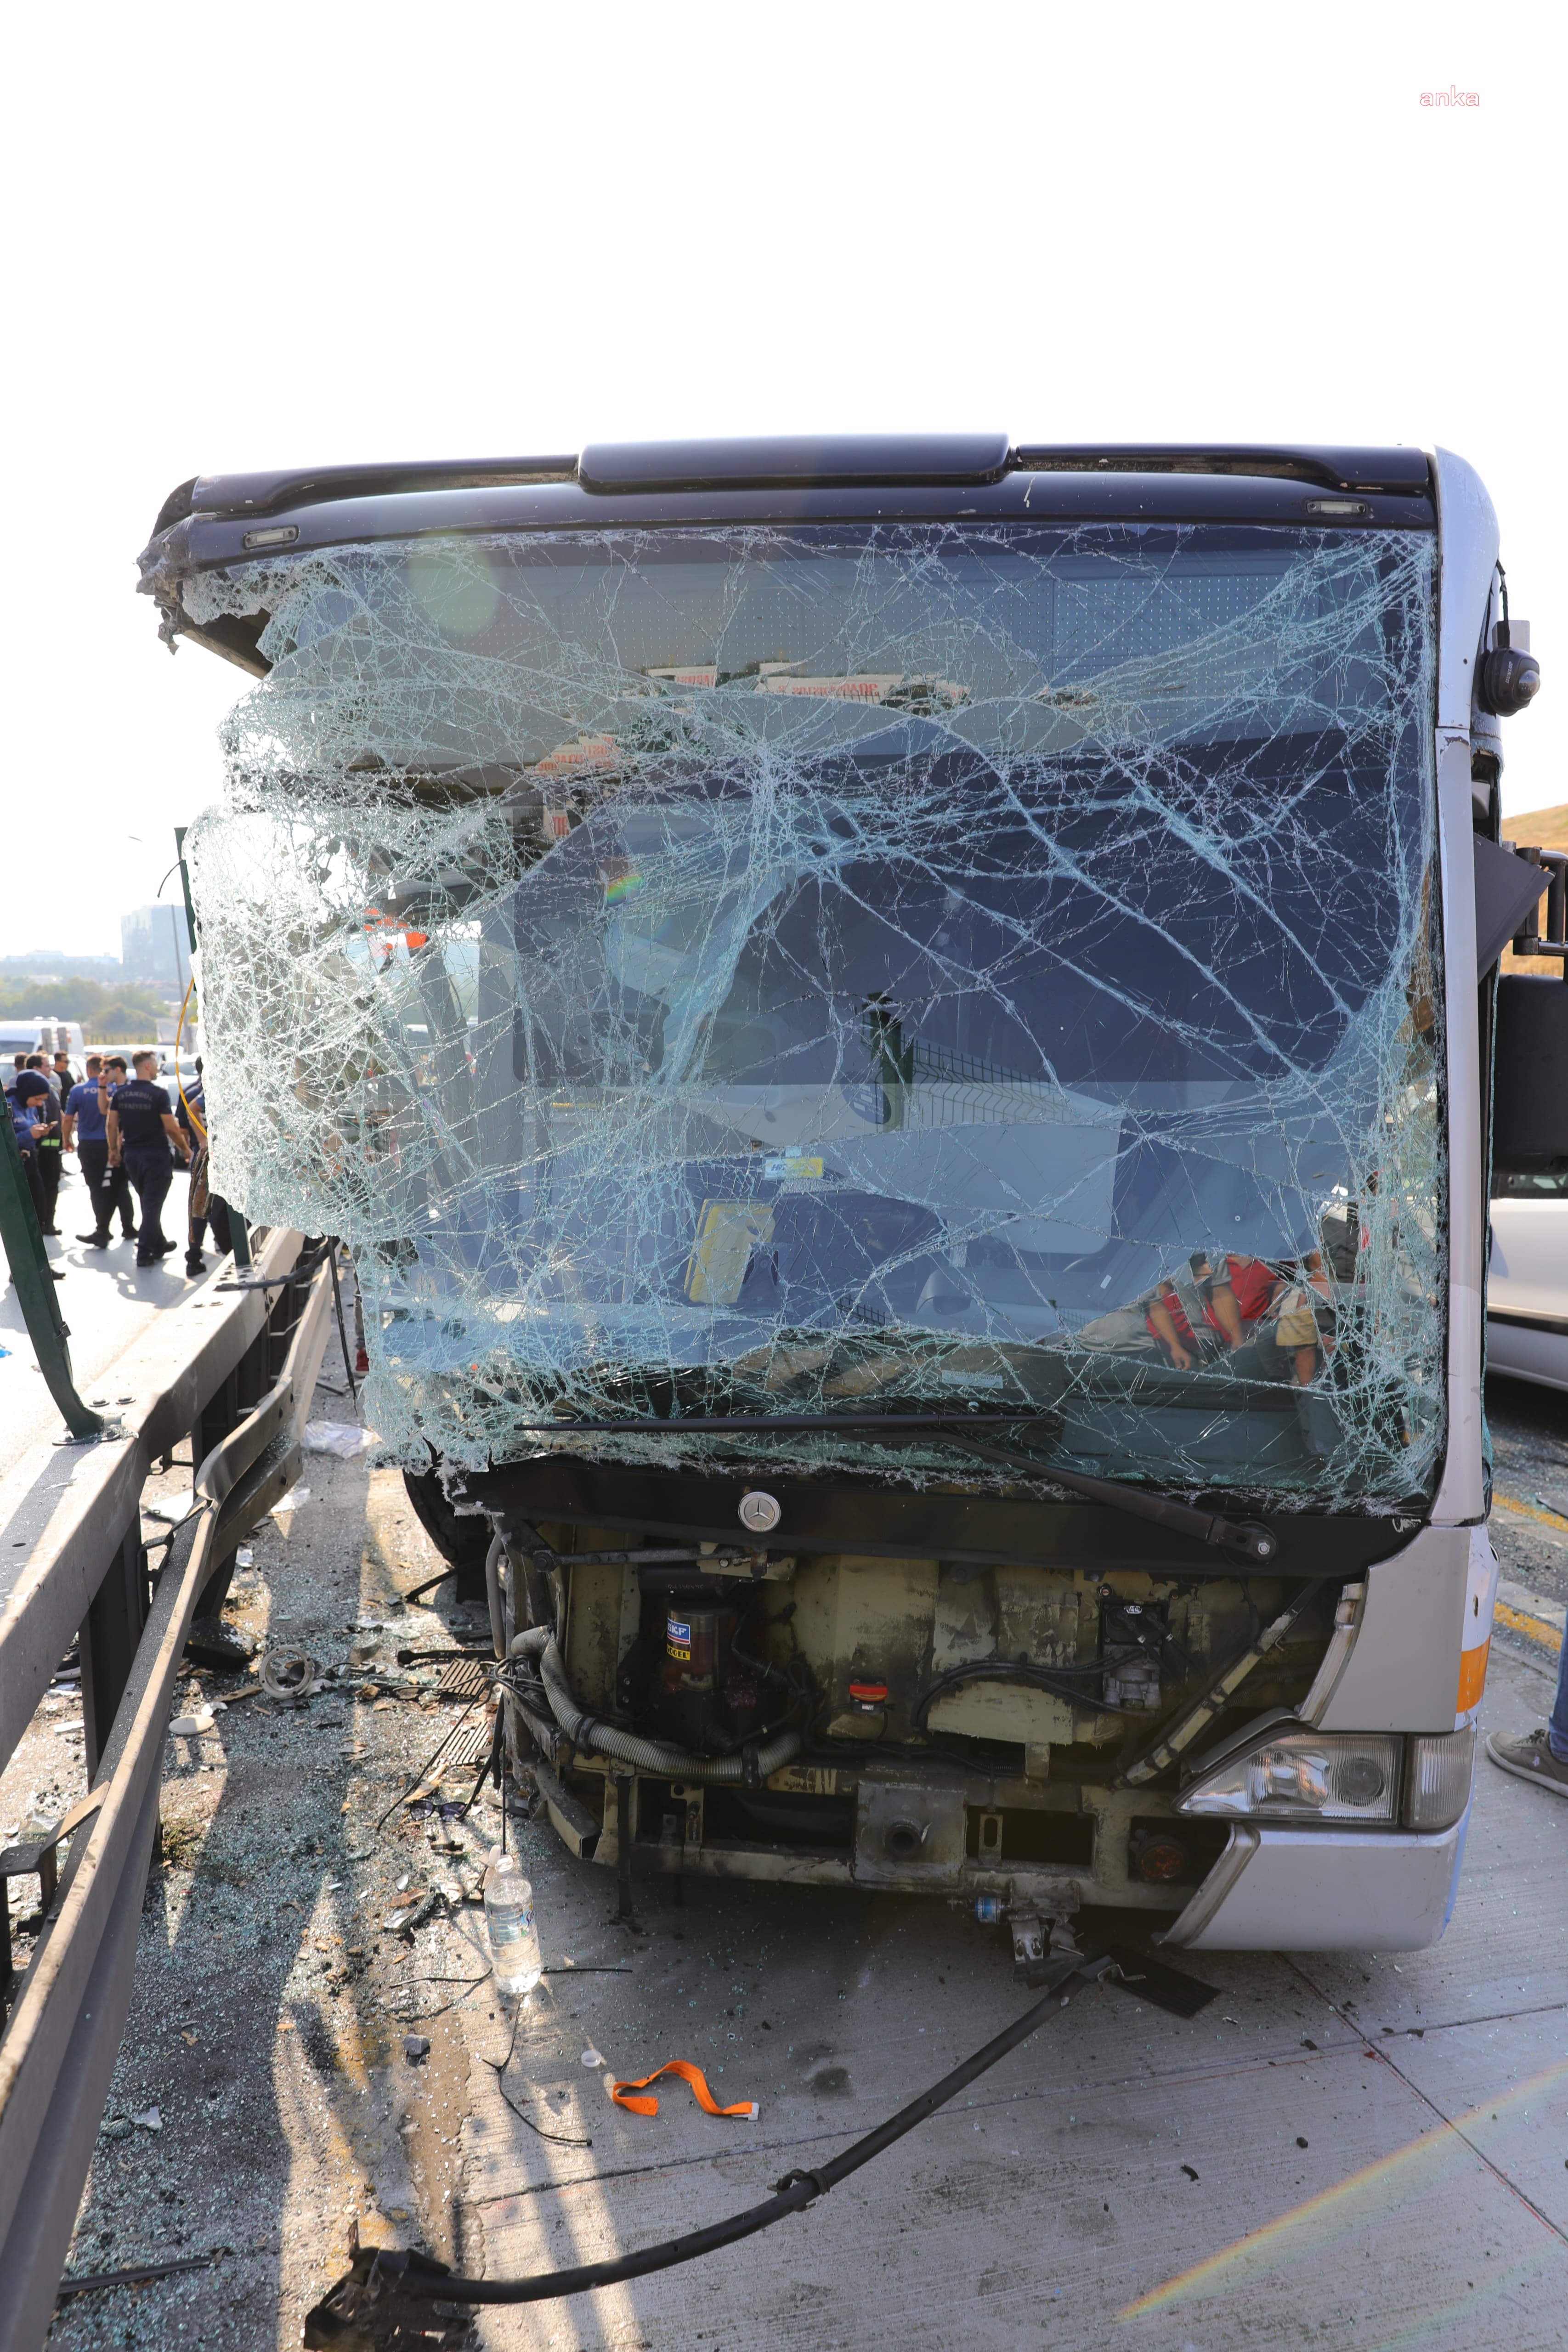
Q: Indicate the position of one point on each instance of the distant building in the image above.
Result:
(154, 948)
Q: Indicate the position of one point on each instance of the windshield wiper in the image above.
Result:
(1248, 1538)
(711, 1423)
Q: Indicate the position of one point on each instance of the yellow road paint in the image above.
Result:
(1548, 1518)
(1536, 1628)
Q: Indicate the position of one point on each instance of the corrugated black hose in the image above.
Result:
(364, 2305)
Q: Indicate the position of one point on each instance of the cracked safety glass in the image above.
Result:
(821, 968)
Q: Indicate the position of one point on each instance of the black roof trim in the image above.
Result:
(1400, 471)
(795, 462)
(275, 493)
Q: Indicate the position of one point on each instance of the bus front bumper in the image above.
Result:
(1324, 1890)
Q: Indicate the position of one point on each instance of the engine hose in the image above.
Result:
(419, 2275)
(493, 1594)
(660, 1755)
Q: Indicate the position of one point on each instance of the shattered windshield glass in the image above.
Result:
(809, 968)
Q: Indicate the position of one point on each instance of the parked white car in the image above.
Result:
(1527, 1292)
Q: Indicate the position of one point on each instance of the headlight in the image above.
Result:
(1305, 1775)
(1438, 1781)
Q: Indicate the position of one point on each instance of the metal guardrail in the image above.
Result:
(58, 2050)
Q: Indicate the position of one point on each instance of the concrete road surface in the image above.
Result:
(106, 1301)
(1362, 2152)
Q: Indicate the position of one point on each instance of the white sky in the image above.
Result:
(286, 235)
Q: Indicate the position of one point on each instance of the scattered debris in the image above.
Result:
(136, 2273)
(191, 1727)
(148, 2118)
(345, 1439)
(592, 2057)
(620, 2092)
(288, 1674)
(416, 2046)
(414, 1914)
(221, 1644)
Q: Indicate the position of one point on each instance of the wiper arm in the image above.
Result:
(709, 1424)
(1248, 1538)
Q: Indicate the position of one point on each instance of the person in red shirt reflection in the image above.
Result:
(1234, 1298)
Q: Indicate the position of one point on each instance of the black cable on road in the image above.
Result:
(420, 2276)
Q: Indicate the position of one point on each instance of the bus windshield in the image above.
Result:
(819, 968)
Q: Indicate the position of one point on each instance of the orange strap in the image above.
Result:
(688, 2073)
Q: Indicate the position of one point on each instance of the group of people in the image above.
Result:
(126, 1135)
(1268, 1322)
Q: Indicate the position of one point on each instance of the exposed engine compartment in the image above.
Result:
(916, 1723)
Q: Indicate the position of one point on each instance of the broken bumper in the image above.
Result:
(1325, 1890)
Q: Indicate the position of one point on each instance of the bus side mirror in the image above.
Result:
(1530, 1079)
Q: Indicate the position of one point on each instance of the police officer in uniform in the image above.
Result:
(142, 1127)
(84, 1119)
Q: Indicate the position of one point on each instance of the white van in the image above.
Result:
(41, 1034)
(1527, 1288)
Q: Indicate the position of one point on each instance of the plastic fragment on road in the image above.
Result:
(191, 1727)
(148, 2118)
(622, 2092)
(592, 2057)
(345, 1439)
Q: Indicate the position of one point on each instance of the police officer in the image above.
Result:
(85, 1124)
(46, 1106)
(141, 1128)
(28, 1104)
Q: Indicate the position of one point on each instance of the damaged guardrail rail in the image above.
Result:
(86, 1569)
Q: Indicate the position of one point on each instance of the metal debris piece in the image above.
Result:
(136, 2273)
(288, 1674)
(220, 1645)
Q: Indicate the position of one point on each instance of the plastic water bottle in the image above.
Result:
(509, 1923)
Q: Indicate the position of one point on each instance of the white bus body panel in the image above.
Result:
(1402, 1667)
(1468, 553)
(1335, 1890)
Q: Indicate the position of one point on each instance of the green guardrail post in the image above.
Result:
(180, 833)
(238, 1232)
(29, 1264)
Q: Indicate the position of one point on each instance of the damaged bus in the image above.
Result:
(901, 1033)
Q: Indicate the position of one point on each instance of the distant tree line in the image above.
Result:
(121, 1010)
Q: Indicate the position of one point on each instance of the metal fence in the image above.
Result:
(234, 1367)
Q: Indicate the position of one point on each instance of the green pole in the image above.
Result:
(238, 1232)
(180, 833)
(29, 1264)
